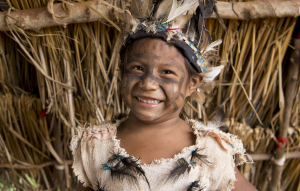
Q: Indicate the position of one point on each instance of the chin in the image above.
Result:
(153, 117)
(146, 117)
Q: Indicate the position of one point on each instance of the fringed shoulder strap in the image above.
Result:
(227, 141)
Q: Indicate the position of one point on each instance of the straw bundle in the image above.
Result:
(57, 78)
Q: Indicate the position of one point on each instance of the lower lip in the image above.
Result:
(147, 104)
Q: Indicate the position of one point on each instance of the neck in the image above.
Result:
(133, 124)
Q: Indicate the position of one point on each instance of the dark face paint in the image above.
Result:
(153, 73)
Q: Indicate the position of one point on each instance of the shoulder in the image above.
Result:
(224, 152)
(220, 140)
(90, 147)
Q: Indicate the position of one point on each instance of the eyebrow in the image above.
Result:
(137, 57)
(145, 57)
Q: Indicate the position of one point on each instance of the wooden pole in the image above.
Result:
(41, 18)
(289, 95)
(70, 98)
(258, 9)
(102, 11)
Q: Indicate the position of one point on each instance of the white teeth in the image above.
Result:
(148, 101)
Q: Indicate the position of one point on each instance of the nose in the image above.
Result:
(149, 83)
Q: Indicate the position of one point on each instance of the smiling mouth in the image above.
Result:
(149, 101)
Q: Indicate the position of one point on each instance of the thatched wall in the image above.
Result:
(57, 78)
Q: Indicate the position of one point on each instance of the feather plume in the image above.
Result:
(191, 30)
(129, 164)
(206, 39)
(219, 116)
(163, 9)
(198, 158)
(208, 10)
(173, 8)
(190, 5)
(195, 186)
(212, 45)
(219, 119)
(211, 73)
(182, 21)
(203, 12)
(201, 23)
(182, 167)
(119, 172)
(220, 19)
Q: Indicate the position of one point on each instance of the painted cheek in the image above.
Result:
(129, 81)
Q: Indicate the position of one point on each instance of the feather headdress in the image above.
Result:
(180, 23)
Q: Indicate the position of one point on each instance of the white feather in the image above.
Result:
(162, 9)
(211, 73)
(186, 6)
(212, 45)
(174, 6)
(182, 21)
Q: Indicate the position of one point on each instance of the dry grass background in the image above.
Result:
(57, 78)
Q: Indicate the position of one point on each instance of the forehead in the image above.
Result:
(158, 48)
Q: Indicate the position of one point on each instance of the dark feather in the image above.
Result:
(224, 128)
(192, 27)
(201, 23)
(119, 172)
(208, 9)
(129, 164)
(198, 158)
(100, 187)
(182, 167)
(220, 19)
(204, 12)
(195, 186)
(219, 115)
(114, 157)
(206, 38)
(219, 118)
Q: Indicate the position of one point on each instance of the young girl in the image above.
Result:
(154, 149)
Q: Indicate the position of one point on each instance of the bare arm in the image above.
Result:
(80, 187)
(242, 184)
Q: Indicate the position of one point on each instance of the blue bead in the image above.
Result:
(107, 167)
(161, 28)
(99, 131)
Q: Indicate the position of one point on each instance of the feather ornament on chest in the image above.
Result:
(125, 167)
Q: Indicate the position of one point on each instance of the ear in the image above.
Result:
(121, 68)
(193, 83)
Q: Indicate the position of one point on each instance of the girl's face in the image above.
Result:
(155, 81)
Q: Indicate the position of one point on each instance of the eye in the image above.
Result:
(137, 68)
(167, 72)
